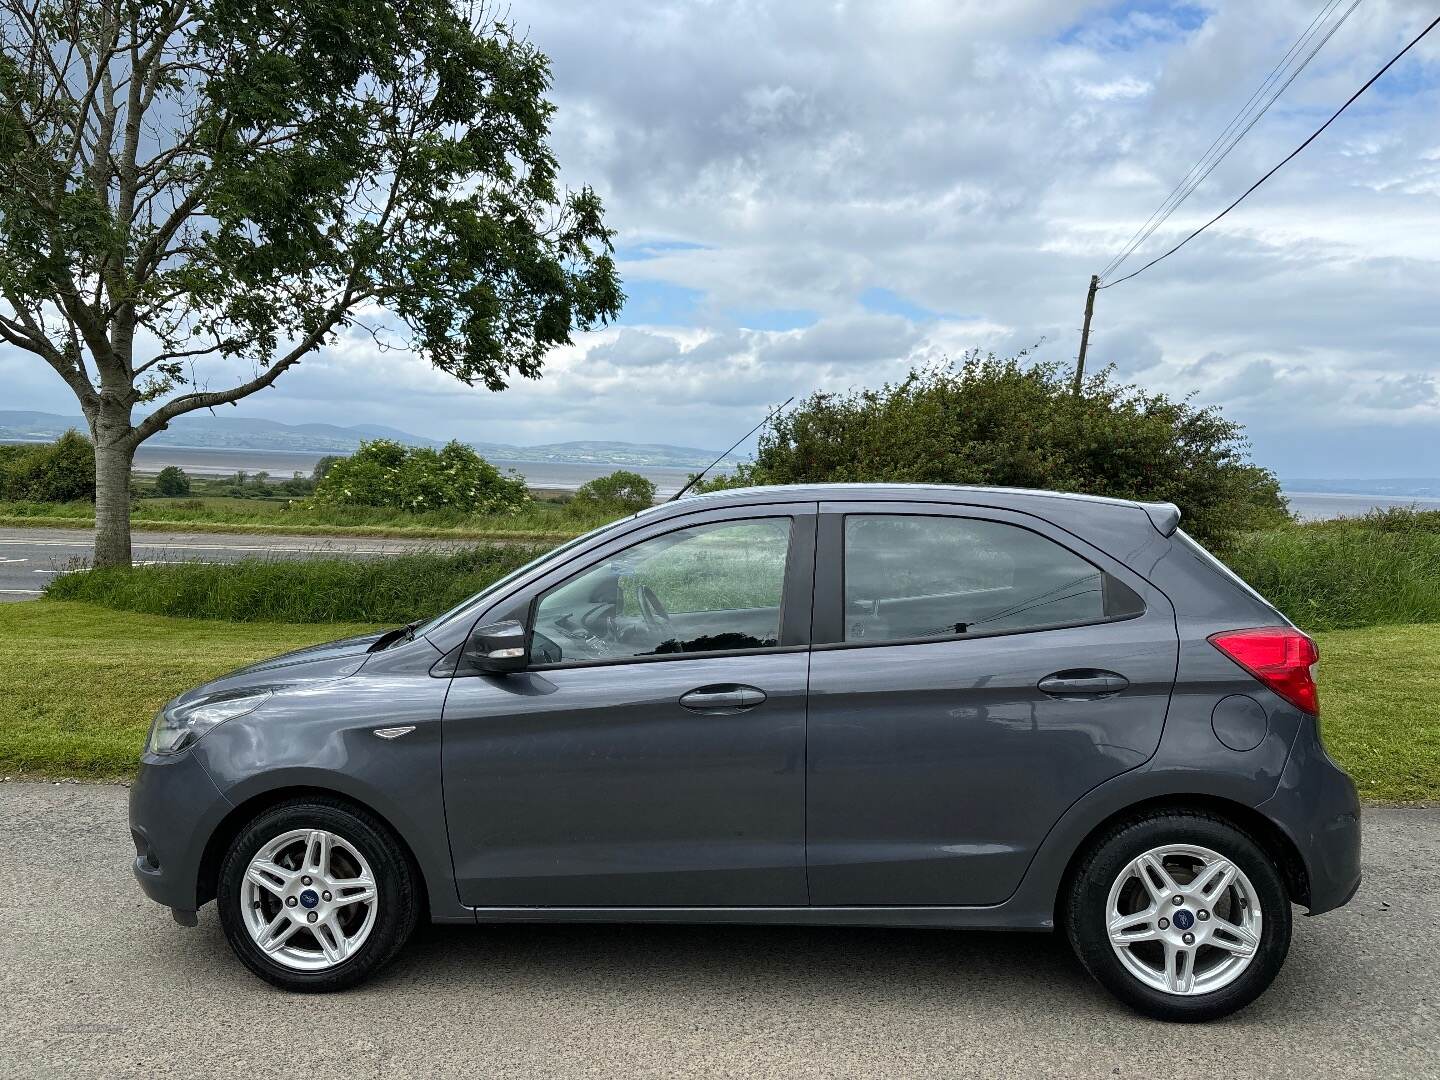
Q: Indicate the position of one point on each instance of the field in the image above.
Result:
(79, 684)
(82, 670)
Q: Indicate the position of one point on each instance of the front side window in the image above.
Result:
(909, 577)
(707, 588)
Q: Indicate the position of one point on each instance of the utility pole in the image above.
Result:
(1085, 332)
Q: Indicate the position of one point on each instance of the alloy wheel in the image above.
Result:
(1184, 919)
(309, 899)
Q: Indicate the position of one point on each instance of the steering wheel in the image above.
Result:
(653, 611)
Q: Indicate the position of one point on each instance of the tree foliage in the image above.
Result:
(195, 194)
(172, 482)
(62, 471)
(621, 492)
(390, 474)
(984, 420)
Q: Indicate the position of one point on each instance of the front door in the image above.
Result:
(974, 673)
(654, 754)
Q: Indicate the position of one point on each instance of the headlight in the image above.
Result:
(177, 727)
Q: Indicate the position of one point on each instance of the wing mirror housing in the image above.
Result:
(498, 648)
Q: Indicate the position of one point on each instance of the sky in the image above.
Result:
(820, 195)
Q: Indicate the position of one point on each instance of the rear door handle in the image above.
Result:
(1083, 683)
(722, 698)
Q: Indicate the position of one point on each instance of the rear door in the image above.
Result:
(974, 672)
(653, 756)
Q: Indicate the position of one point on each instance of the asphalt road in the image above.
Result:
(30, 557)
(97, 981)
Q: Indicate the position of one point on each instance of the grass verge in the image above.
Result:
(390, 590)
(1383, 568)
(1380, 709)
(79, 683)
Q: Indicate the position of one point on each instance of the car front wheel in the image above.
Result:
(316, 895)
(1181, 915)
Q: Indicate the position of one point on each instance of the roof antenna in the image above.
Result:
(700, 475)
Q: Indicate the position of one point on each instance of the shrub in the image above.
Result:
(388, 474)
(172, 483)
(1006, 423)
(621, 492)
(62, 471)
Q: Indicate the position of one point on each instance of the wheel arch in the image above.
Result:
(231, 825)
(1273, 839)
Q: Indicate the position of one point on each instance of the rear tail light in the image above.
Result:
(1281, 657)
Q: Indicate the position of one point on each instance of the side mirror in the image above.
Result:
(498, 648)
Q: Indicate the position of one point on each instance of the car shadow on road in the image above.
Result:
(821, 962)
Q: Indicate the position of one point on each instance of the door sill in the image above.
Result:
(998, 916)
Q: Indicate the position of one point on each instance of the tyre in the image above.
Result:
(316, 895)
(1181, 915)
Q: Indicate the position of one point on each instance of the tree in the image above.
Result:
(171, 482)
(417, 478)
(196, 194)
(620, 492)
(1014, 424)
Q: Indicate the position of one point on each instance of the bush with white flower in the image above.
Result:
(389, 474)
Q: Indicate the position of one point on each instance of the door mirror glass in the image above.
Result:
(498, 648)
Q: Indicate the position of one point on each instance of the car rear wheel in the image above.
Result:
(1181, 915)
(316, 895)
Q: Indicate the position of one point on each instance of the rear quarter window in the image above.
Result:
(911, 577)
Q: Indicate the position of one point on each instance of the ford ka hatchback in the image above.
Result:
(843, 705)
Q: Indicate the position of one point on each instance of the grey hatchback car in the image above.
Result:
(912, 706)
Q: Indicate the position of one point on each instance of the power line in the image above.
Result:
(1293, 154)
(1240, 125)
(1141, 233)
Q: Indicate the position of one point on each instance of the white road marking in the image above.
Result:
(13, 560)
(185, 545)
(21, 592)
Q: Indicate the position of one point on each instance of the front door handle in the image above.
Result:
(722, 698)
(1083, 683)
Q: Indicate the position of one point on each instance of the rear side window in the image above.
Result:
(913, 576)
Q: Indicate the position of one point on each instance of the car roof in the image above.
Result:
(1165, 517)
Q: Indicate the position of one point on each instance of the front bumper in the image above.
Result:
(1317, 806)
(174, 810)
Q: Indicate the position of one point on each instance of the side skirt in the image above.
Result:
(1000, 917)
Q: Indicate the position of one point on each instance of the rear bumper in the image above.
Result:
(1317, 806)
(174, 809)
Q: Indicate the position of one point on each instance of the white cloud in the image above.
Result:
(980, 160)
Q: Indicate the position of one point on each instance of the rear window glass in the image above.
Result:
(913, 576)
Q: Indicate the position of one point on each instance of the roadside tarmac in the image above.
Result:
(98, 981)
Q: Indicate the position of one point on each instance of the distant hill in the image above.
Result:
(239, 433)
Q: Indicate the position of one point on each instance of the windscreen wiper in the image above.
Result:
(385, 640)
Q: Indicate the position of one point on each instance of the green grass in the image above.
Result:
(1382, 569)
(79, 684)
(538, 520)
(1380, 709)
(394, 589)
